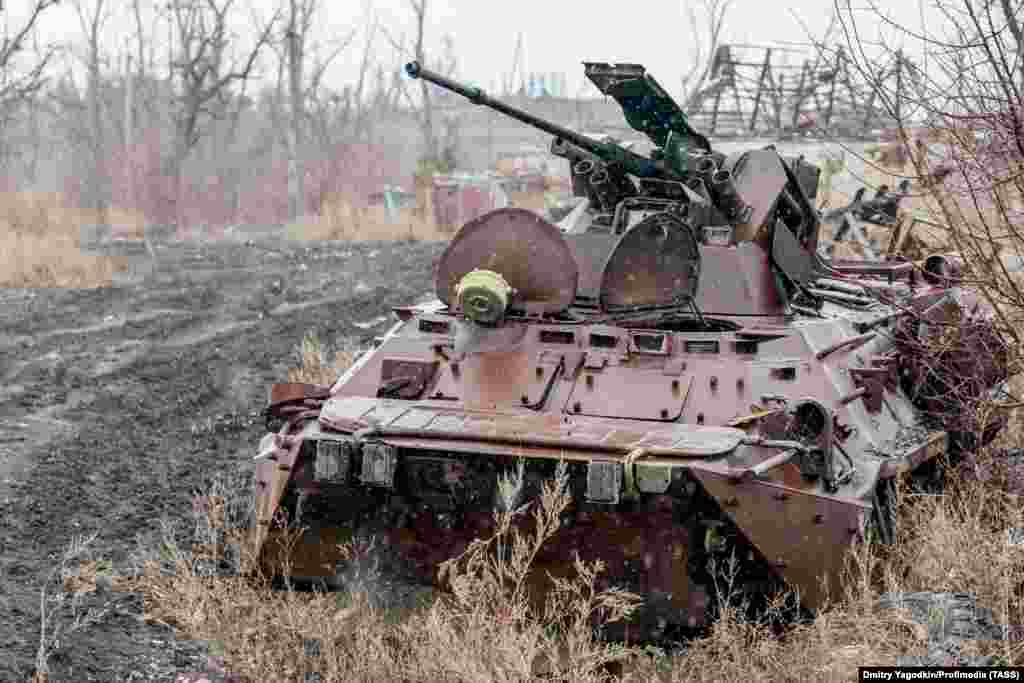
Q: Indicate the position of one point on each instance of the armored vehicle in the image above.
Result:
(716, 388)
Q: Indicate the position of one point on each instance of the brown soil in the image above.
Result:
(117, 404)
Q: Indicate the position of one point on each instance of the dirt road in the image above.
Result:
(116, 404)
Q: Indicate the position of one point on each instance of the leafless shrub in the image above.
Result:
(314, 366)
(39, 245)
(61, 598)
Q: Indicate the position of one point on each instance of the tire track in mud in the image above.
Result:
(111, 419)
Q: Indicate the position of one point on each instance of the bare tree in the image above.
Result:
(205, 73)
(1012, 17)
(960, 129)
(300, 19)
(23, 64)
(92, 17)
(17, 84)
(418, 52)
(359, 113)
(706, 22)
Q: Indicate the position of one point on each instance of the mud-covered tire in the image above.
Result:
(950, 618)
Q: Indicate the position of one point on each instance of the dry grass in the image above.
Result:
(339, 219)
(39, 243)
(62, 608)
(314, 368)
(486, 629)
(955, 542)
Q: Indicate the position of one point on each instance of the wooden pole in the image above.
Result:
(760, 87)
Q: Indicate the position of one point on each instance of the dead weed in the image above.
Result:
(39, 243)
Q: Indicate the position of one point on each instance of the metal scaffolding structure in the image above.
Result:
(779, 90)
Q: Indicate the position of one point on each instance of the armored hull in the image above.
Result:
(714, 386)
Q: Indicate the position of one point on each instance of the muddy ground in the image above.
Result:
(117, 403)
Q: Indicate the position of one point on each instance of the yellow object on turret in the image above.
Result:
(483, 295)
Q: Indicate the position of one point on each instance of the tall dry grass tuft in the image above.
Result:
(314, 368)
(487, 629)
(340, 219)
(39, 244)
(492, 618)
(62, 605)
(954, 542)
(962, 541)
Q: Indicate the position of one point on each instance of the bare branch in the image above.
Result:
(705, 40)
(16, 87)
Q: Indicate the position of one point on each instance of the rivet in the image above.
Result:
(700, 418)
(540, 372)
(439, 394)
(664, 413)
(576, 407)
(590, 381)
(739, 383)
(819, 518)
(714, 382)
(524, 399)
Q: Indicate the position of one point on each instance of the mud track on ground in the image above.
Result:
(116, 404)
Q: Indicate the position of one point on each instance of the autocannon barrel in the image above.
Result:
(609, 152)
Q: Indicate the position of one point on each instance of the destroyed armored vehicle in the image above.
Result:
(714, 385)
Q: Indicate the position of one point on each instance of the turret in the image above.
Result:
(748, 214)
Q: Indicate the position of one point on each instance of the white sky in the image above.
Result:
(557, 34)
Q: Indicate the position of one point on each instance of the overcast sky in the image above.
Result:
(557, 34)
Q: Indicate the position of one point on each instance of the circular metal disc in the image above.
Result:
(525, 249)
(656, 263)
